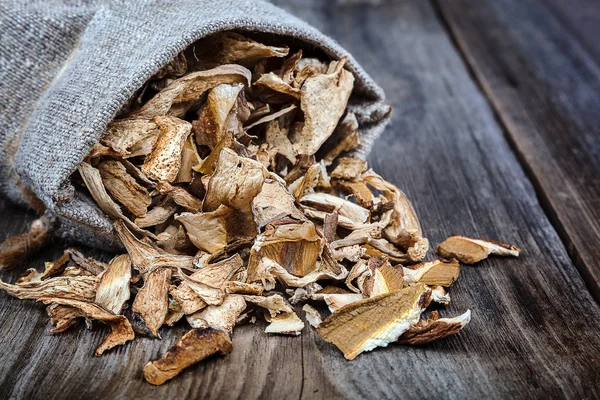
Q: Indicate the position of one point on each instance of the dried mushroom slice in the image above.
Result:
(78, 287)
(439, 295)
(130, 136)
(17, 248)
(323, 101)
(283, 319)
(191, 294)
(113, 289)
(313, 317)
(350, 215)
(235, 182)
(274, 202)
(295, 246)
(209, 127)
(145, 257)
(157, 215)
(232, 47)
(176, 99)
(194, 346)
(121, 330)
(277, 90)
(438, 272)
(152, 301)
(213, 231)
(374, 322)
(345, 138)
(62, 317)
(426, 331)
(123, 187)
(93, 181)
(180, 196)
(349, 169)
(268, 272)
(470, 251)
(164, 162)
(223, 316)
(404, 229)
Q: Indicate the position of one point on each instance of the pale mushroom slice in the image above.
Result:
(121, 330)
(62, 317)
(209, 127)
(189, 159)
(274, 90)
(157, 215)
(374, 322)
(426, 331)
(223, 316)
(191, 295)
(471, 251)
(232, 47)
(164, 162)
(268, 272)
(145, 257)
(129, 135)
(350, 215)
(176, 99)
(271, 117)
(77, 287)
(213, 231)
(349, 169)
(283, 320)
(93, 181)
(272, 202)
(194, 346)
(313, 317)
(323, 101)
(123, 187)
(295, 245)
(345, 138)
(234, 183)
(440, 295)
(180, 196)
(404, 229)
(306, 185)
(438, 272)
(113, 289)
(152, 301)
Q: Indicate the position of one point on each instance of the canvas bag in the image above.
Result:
(67, 67)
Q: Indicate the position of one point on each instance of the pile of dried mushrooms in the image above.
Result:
(227, 188)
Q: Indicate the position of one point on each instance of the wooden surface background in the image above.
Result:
(495, 133)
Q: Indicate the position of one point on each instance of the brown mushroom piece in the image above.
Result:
(471, 251)
(194, 346)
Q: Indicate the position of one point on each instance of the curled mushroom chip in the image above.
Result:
(164, 162)
(268, 272)
(145, 257)
(180, 196)
(223, 316)
(213, 115)
(347, 211)
(175, 99)
(130, 135)
(323, 101)
(194, 346)
(470, 251)
(438, 272)
(78, 287)
(312, 316)
(123, 187)
(62, 317)
(294, 246)
(121, 330)
(235, 182)
(426, 331)
(152, 301)
(113, 289)
(364, 325)
(404, 229)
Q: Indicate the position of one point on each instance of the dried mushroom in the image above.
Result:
(194, 346)
(230, 185)
(471, 251)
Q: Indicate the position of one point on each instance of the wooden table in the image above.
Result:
(495, 133)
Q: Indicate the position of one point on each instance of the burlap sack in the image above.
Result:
(67, 67)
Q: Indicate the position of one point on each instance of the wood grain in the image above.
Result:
(534, 331)
(545, 87)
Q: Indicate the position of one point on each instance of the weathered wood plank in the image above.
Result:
(545, 87)
(534, 328)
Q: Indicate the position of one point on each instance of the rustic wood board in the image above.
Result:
(534, 327)
(544, 84)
